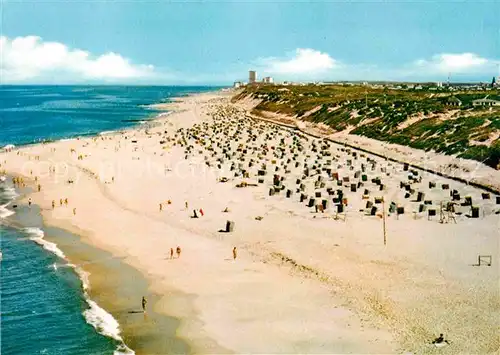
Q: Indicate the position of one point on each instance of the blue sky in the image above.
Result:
(217, 42)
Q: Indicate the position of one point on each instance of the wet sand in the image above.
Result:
(114, 285)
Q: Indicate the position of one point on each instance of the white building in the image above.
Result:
(237, 84)
(267, 80)
(485, 102)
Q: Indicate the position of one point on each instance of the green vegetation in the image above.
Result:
(445, 122)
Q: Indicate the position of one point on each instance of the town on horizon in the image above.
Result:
(389, 84)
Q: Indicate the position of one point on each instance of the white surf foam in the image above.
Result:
(84, 276)
(163, 114)
(9, 147)
(123, 350)
(102, 321)
(9, 192)
(106, 325)
(4, 212)
(37, 236)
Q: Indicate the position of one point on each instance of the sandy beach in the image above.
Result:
(310, 272)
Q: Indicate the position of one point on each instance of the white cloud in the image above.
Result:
(310, 64)
(456, 63)
(28, 59)
(304, 61)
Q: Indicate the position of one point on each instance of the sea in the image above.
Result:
(45, 307)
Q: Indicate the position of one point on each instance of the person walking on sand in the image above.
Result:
(187, 206)
(178, 250)
(74, 211)
(161, 207)
(29, 201)
(39, 187)
(144, 303)
(171, 253)
(235, 253)
(53, 204)
(66, 201)
(61, 201)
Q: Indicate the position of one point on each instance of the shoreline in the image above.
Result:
(183, 286)
(117, 287)
(94, 278)
(143, 123)
(158, 328)
(153, 335)
(112, 289)
(155, 112)
(27, 220)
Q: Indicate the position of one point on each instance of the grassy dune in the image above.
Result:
(420, 119)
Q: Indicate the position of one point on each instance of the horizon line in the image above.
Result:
(257, 83)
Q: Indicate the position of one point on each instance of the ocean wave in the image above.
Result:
(103, 133)
(102, 321)
(8, 191)
(8, 147)
(123, 349)
(37, 236)
(7, 194)
(44, 95)
(4, 212)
